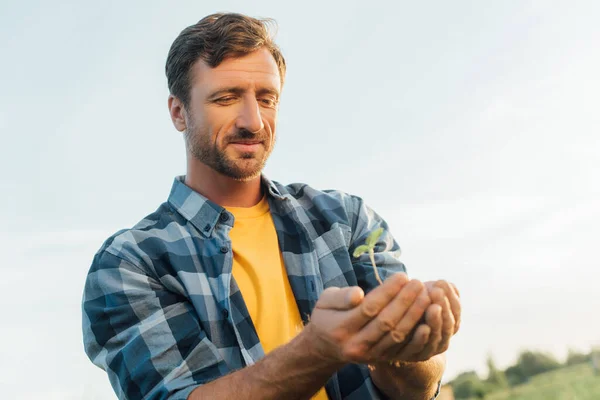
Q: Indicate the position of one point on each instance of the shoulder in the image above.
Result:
(324, 209)
(141, 243)
(330, 199)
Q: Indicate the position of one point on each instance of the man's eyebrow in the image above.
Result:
(238, 90)
(268, 91)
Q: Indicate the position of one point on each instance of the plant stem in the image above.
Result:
(372, 257)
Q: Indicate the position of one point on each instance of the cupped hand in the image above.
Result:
(347, 326)
(442, 321)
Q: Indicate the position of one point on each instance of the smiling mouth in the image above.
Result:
(246, 142)
(246, 146)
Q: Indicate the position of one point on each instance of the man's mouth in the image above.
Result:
(246, 145)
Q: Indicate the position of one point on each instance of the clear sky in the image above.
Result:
(472, 127)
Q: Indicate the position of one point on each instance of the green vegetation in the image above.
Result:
(535, 376)
(530, 364)
(369, 247)
(576, 382)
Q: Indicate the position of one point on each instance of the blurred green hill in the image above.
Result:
(534, 376)
(576, 382)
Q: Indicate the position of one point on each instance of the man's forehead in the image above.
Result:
(257, 65)
(247, 67)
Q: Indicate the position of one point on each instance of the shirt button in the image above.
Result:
(224, 217)
(225, 313)
(224, 249)
(207, 228)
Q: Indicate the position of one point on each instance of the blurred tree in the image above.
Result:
(496, 378)
(575, 357)
(515, 375)
(468, 385)
(595, 360)
(533, 362)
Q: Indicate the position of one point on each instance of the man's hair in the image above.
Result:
(212, 39)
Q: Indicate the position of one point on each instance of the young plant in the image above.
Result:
(369, 247)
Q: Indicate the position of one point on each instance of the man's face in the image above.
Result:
(231, 117)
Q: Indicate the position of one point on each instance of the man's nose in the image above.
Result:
(249, 117)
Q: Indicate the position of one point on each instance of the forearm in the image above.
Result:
(291, 371)
(418, 381)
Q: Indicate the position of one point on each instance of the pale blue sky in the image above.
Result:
(472, 127)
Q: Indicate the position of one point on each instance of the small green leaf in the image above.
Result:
(373, 237)
(363, 248)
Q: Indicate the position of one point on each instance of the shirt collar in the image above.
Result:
(272, 188)
(201, 212)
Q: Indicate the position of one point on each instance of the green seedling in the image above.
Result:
(369, 247)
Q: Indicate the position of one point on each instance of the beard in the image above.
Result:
(245, 167)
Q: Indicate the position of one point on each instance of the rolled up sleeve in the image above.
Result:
(148, 339)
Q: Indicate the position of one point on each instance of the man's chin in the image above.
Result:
(245, 178)
(245, 174)
(240, 168)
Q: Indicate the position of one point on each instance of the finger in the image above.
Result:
(415, 346)
(401, 334)
(453, 299)
(430, 285)
(411, 319)
(335, 298)
(375, 301)
(447, 325)
(391, 315)
(455, 289)
(435, 322)
(457, 315)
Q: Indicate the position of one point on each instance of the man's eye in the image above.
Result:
(268, 102)
(226, 99)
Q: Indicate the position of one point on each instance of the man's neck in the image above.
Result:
(221, 189)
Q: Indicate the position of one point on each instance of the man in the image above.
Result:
(240, 287)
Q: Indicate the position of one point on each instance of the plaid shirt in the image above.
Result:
(162, 314)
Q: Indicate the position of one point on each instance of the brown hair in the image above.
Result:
(212, 39)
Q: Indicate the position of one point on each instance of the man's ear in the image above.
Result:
(177, 112)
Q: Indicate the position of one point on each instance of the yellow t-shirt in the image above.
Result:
(260, 273)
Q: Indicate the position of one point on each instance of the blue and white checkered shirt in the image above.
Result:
(163, 315)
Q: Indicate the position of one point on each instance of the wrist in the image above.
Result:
(320, 353)
(421, 378)
(290, 371)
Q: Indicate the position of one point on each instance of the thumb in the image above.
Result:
(341, 299)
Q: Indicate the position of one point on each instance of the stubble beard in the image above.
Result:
(248, 167)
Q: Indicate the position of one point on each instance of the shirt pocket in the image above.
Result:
(335, 265)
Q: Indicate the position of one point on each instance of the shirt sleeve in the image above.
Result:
(148, 339)
(387, 250)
